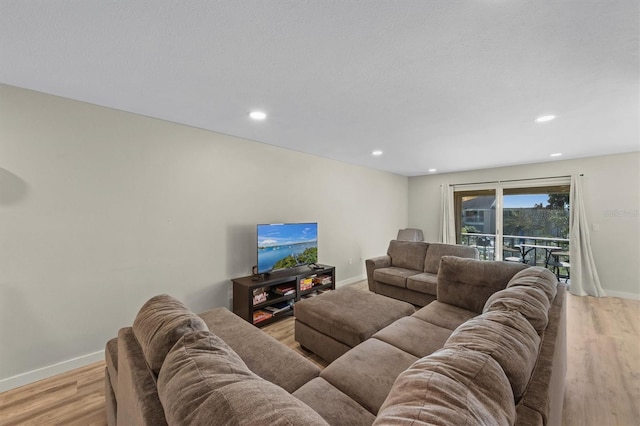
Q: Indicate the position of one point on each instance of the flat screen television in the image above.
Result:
(286, 245)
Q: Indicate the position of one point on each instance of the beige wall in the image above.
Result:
(101, 209)
(612, 201)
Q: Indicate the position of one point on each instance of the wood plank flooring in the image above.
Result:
(603, 362)
(603, 374)
(73, 398)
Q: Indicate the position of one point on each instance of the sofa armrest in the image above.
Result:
(373, 264)
(138, 401)
(111, 406)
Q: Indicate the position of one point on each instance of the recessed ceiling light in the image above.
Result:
(433, 170)
(545, 118)
(376, 153)
(557, 154)
(257, 115)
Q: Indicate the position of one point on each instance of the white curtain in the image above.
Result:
(584, 276)
(447, 214)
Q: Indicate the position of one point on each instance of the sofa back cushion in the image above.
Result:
(538, 277)
(531, 302)
(437, 250)
(468, 283)
(407, 254)
(203, 381)
(453, 386)
(159, 325)
(505, 336)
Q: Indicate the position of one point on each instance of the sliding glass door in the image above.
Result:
(536, 224)
(515, 221)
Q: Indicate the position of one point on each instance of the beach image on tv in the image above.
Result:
(287, 245)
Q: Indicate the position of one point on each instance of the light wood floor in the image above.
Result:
(603, 376)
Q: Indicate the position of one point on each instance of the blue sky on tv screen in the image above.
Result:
(290, 233)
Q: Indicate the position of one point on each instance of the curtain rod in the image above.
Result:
(513, 180)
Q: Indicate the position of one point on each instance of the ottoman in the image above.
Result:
(334, 322)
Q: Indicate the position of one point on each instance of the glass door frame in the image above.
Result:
(497, 193)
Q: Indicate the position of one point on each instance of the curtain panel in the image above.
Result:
(447, 215)
(584, 276)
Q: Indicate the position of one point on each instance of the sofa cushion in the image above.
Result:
(394, 276)
(508, 338)
(538, 277)
(407, 254)
(468, 283)
(531, 302)
(334, 406)
(453, 386)
(437, 250)
(280, 364)
(159, 325)
(367, 372)
(425, 282)
(444, 315)
(412, 335)
(203, 381)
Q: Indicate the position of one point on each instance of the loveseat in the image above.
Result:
(409, 270)
(490, 350)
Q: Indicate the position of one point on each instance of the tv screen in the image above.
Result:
(286, 245)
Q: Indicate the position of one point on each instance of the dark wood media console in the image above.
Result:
(263, 299)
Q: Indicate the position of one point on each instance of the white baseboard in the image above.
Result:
(64, 366)
(351, 280)
(49, 371)
(622, 294)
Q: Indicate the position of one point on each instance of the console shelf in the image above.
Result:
(263, 299)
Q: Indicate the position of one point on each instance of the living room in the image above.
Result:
(102, 209)
(171, 208)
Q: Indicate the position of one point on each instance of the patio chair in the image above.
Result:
(557, 264)
(511, 254)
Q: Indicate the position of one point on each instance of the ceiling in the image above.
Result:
(442, 84)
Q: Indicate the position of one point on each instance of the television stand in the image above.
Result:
(266, 300)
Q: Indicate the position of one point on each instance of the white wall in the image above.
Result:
(101, 209)
(612, 201)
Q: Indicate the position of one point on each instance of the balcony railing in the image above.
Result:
(486, 243)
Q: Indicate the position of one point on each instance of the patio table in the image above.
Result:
(525, 249)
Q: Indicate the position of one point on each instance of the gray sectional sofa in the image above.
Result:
(409, 270)
(490, 350)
